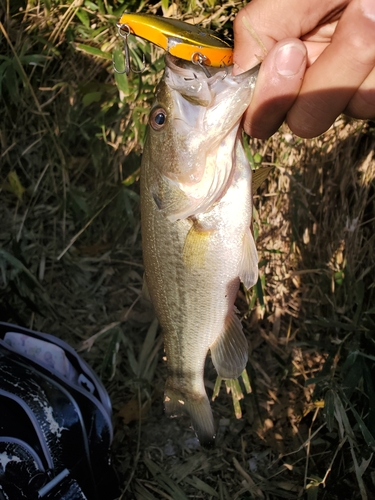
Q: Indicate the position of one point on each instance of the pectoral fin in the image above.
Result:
(229, 352)
(196, 246)
(259, 176)
(249, 262)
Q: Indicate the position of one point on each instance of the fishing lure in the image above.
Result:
(183, 40)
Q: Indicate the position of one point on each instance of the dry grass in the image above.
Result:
(71, 265)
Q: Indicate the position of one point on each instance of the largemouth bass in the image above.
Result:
(196, 210)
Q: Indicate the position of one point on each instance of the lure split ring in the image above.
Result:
(201, 61)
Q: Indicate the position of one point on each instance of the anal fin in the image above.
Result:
(230, 351)
(249, 262)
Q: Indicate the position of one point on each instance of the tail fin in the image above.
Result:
(197, 406)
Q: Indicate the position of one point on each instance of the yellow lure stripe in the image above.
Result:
(180, 39)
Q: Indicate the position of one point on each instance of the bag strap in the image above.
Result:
(62, 487)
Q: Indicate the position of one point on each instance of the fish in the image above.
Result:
(196, 215)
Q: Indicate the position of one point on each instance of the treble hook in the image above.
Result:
(200, 59)
(124, 32)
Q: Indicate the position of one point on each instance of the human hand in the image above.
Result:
(320, 63)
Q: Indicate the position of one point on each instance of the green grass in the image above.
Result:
(71, 138)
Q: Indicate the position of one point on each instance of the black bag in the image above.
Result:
(55, 422)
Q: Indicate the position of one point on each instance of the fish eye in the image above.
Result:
(158, 118)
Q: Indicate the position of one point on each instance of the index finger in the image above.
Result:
(268, 21)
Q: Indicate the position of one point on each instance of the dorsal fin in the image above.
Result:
(259, 176)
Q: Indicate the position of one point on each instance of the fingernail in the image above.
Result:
(289, 59)
(368, 8)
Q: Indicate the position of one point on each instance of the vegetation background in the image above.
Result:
(71, 135)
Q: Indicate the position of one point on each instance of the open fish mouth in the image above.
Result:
(184, 68)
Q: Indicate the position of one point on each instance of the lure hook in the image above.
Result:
(200, 59)
(124, 31)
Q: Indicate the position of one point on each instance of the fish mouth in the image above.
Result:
(190, 70)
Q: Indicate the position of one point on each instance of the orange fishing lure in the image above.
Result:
(182, 40)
